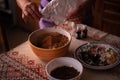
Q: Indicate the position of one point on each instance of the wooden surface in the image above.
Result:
(107, 16)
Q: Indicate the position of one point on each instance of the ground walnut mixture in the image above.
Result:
(52, 40)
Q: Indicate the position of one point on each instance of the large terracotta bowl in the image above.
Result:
(48, 54)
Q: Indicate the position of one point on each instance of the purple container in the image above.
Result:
(45, 23)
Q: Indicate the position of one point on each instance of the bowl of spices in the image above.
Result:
(49, 43)
(64, 68)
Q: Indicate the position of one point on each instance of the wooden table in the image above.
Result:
(26, 58)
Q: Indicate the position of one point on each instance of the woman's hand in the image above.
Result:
(75, 19)
(80, 13)
(74, 16)
(30, 11)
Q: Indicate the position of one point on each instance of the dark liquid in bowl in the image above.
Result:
(64, 72)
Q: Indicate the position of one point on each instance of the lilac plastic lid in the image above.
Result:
(45, 23)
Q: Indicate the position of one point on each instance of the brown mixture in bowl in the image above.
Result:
(52, 40)
(64, 72)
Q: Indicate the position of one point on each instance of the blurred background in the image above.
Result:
(13, 30)
(105, 16)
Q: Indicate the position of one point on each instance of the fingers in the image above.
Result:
(35, 9)
(31, 10)
(25, 18)
(32, 14)
(76, 20)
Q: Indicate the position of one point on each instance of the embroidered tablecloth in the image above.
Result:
(14, 66)
(21, 63)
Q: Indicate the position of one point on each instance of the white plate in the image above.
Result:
(92, 63)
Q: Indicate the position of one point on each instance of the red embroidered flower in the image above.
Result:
(31, 62)
(15, 53)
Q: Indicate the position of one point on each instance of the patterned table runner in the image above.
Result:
(19, 67)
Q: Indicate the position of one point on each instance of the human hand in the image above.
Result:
(30, 11)
(74, 16)
(75, 19)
